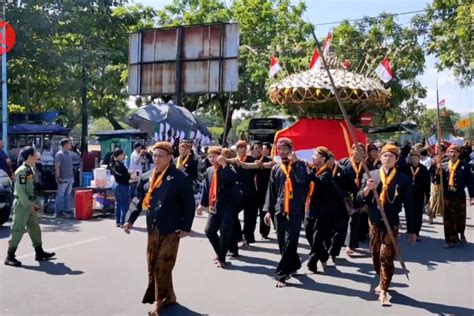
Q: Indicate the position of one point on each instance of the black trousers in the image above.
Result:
(317, 231)
(288, 233)
(250, 219)
(354, 230)
(363, 226)
(340, 221)
(224, 223)
(236, 234)
(264, 229)
(418, 205)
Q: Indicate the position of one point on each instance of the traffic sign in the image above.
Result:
(7, 37)
(365, 119)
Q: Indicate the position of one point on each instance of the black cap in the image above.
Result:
(136, 145)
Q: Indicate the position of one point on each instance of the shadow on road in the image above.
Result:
(53, 268)
(429, 252)
(178, 309)
(434, 308)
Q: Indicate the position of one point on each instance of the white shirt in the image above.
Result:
(136, 161)
(426, 161)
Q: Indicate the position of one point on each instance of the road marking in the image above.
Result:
(67, 246)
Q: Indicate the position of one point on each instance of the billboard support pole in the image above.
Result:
(179, 72)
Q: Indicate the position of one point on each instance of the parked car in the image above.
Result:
(6, 197)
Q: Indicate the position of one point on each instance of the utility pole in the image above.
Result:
(85, 120)
(4, 84)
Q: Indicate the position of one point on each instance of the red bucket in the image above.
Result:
(84, 204)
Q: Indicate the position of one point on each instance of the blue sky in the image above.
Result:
(321, 11)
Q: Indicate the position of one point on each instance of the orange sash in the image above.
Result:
(386, 181)
(155, 183)
(213, 189)
(414, 173)
(357, 169)
(179, 164)
(288, 187)
(312, 185)
(452, 172)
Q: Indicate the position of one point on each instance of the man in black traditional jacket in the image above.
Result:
(218, 196)
(395, 189)
(263, 176)
(168, 202)
(285, 202)
(457, 177)
(420, 177)
(320, 204)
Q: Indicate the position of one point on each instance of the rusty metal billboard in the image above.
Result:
(194, 59)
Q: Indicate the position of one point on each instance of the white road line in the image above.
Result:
(66, 246)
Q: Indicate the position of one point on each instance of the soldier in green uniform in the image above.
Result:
(25, 206)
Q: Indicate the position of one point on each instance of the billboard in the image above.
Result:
(196, 59)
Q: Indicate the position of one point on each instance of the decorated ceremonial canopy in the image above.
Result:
(308, 93)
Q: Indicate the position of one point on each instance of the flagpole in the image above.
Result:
(360, 154)
(441, 189)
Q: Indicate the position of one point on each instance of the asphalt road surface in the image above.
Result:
(99, 270)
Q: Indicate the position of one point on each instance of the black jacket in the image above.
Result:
(263, 176)
(350, 176)
(275, 200)
(227, 181)
(172, 204)
(120, 172)
(247, 180)
(190, 168)
(422, 183)
(324, 195)
(463, 178)
(400, 192)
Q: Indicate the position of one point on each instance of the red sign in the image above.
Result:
(365, 119)
(7, 37)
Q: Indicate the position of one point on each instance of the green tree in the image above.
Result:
(366, 43)
(448, 25)
(69, 45)
(266, 27)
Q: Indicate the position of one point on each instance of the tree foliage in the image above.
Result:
(266, 27)
(367, 42)
(448, 25)
(65, 45)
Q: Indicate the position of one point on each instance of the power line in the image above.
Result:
(379, 17)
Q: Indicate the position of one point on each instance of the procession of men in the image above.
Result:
(353, 203)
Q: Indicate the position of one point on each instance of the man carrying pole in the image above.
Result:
(395, 189)
(379, 204)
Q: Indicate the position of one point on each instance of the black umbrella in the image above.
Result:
(168, 121)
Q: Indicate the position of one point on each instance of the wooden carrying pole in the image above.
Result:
(360, 154)
(439, 157)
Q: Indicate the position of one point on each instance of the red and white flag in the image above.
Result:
(307, 134)
(274, 67)
(315, 60)
(384, 70)
(442, 103)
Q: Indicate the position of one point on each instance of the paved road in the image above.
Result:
(99, 270)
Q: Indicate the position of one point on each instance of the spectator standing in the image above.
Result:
(136, 166)
(5, 162)
(121, 186)
(64, 173)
